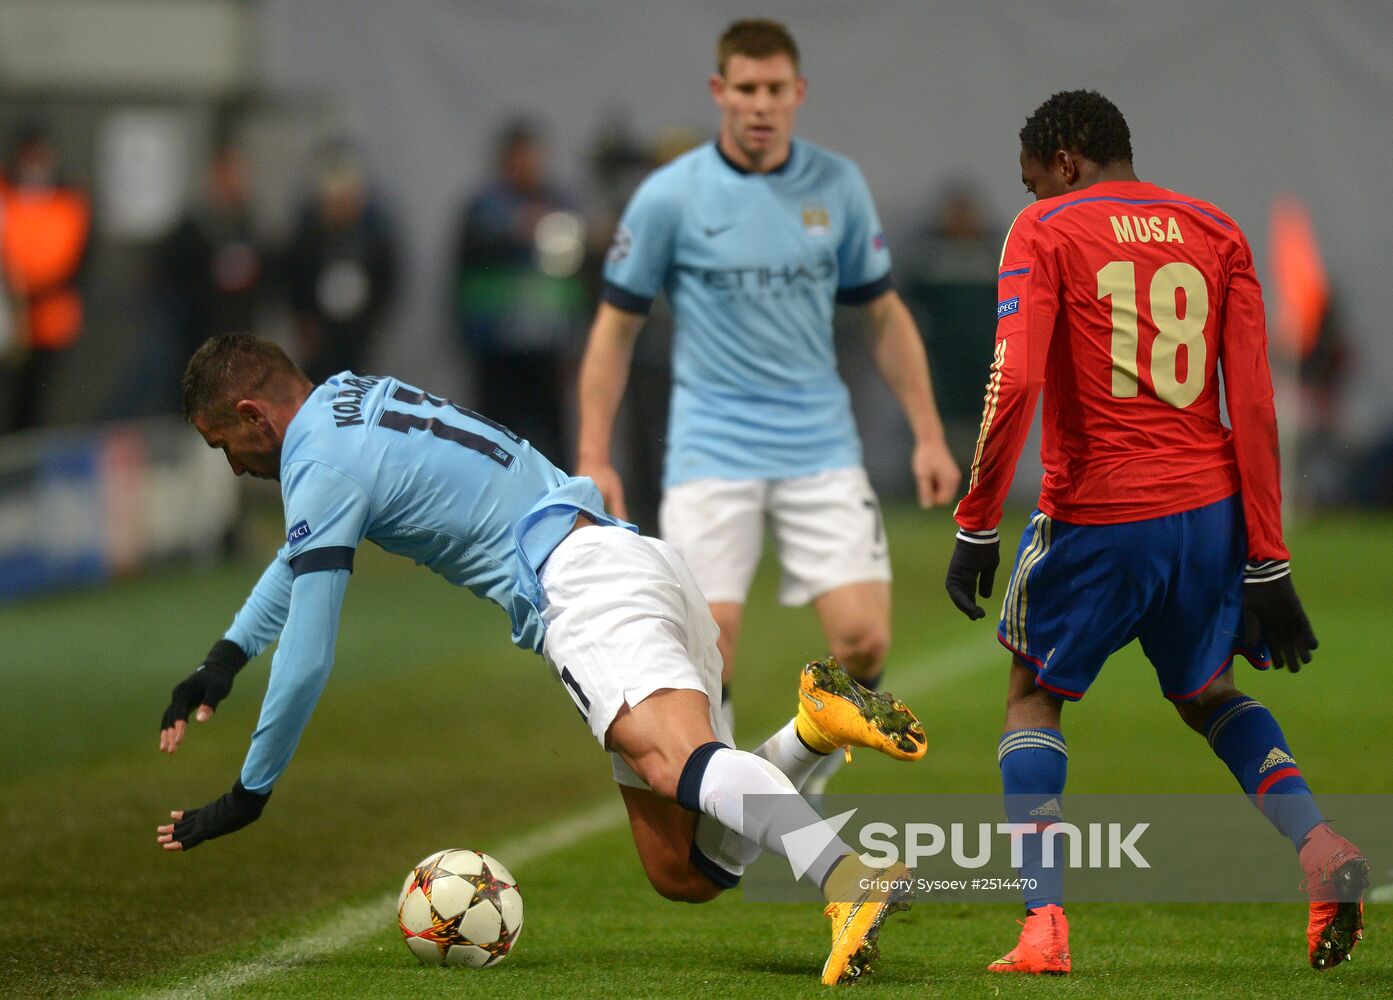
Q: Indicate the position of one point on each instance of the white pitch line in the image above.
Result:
(931, 673)
(362, 921)
(920, 678)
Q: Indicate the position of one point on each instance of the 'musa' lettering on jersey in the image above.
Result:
(1140, 229)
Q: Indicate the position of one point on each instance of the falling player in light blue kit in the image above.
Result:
(617, 616)
(754, 238)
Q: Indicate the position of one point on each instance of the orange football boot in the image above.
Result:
(1337, 873)
(1043, 946)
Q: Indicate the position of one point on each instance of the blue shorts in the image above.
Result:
(1079, 593)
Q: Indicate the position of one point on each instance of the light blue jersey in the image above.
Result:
(369, 457)
(752, 265)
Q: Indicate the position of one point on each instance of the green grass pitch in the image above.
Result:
(435, 732)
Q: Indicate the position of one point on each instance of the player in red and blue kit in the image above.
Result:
(1124, 302)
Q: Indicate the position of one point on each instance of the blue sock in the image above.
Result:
(1034, 764)
(1247, 738)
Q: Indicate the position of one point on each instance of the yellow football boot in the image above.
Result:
(856, 922)
(835, 712)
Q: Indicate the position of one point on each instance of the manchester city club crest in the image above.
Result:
(623, 243)
(816, 221)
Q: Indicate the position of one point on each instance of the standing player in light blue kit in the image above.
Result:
(617, 616)
(754, 238)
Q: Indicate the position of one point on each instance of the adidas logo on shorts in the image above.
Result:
(1277, 756)
(1050, 808)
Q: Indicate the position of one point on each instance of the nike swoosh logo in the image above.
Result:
(817, 702)
(717, 230)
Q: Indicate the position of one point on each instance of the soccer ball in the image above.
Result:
(460, 908)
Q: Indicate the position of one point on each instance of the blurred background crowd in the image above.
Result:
(429, 189)
(520, 288)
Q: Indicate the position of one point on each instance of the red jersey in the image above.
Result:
(1124, 301)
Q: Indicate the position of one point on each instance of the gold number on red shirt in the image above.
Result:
(1117, 281)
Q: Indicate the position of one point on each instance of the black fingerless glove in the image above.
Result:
(231, 812)
(208, 685)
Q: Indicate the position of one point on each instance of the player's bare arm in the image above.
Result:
(899, 354)
(604, 372)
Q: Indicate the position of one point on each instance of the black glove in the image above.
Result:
(231, 812)
(208, 685)
(1272, 614)
(972, 569)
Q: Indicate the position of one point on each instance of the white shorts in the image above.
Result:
(624, 619)
(827, 527)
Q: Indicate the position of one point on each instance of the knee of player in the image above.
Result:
(660, 774)
(1192, 718)
(1031, 707)
(862, 650)
(1196, 712)
(682, 883)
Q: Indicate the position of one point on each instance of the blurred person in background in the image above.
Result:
(9, 312)
(754, 237)
(951, 287)
(342, 269)
(1323, 375)
(43, 244)
(212, 269)
(1311, 347)
(520, 293)
(619, 165)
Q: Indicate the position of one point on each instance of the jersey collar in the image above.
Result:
(782, 168)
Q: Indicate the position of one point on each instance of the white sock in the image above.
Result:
(728, 776)
(792, 756)
(727, 849)
(822, 773)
